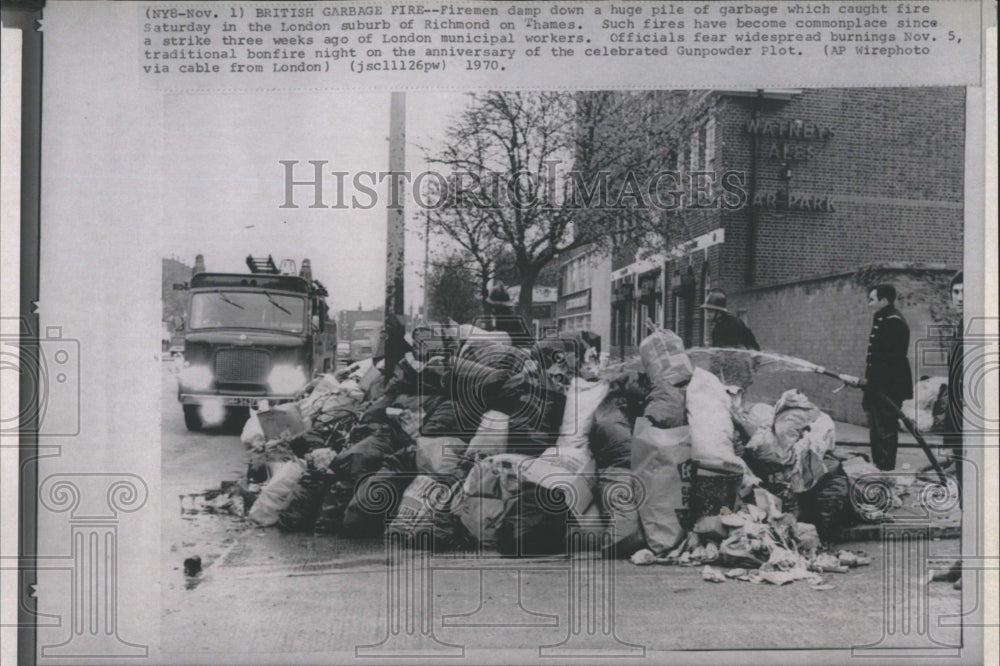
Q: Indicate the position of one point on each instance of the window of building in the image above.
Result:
(710, 144)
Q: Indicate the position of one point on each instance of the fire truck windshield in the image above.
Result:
(247, 309)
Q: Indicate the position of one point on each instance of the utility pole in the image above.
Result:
(427, 256)
(396, 222)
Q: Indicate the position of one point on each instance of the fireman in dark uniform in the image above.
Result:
(887, 372)
(731, 333)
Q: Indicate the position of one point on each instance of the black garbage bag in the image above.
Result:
(618, 499)
(360, 459)
(376, 497)
(306, 442)
(367, 455)
(303, 507)
(665, 407)
(611, 434)
(611, 444)
(827, 505)
(534, 523)
(441, 421)
(535, 406)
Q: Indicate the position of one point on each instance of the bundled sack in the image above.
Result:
(712, 430)
(827, 504)
(582, 399)
(619, 502)
(442, 458)
(664, 359)
(611, 443)
(376, 497)
(925, 407)
(661, 463)
(252, 435)
(491, 437)
(483, 498)
(795, 448)
(415, 518)
(665, 407)
(533, 523)
(283, 421)
(565, 474)
(441, 421)
(278, 492)
(299, 515)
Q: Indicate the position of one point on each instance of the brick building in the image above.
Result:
(841, 188)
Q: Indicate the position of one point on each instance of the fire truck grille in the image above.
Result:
(242, 366)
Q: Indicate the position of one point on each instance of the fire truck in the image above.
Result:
(253, 336)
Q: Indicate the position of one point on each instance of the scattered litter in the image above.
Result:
(712, 575)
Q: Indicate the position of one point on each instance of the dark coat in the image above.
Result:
(732, 333)
(887, 368)
(956, 398)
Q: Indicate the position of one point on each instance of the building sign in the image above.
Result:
(789, 139)
(793, 201)
(578, 302)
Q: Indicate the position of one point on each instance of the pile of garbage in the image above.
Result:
(481, 442)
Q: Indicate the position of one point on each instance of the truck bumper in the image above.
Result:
(231, 400)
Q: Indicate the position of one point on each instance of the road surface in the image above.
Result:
(291, 596)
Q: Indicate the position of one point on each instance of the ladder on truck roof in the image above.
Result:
(261, 265)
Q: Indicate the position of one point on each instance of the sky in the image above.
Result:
(223, 183)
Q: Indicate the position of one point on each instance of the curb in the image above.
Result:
(874, 532)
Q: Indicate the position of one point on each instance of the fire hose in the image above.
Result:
(858, 383)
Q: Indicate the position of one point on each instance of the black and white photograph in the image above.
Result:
(500, 370)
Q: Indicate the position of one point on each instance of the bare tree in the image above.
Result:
(540, 173)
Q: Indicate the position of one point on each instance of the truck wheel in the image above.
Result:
(192, 418)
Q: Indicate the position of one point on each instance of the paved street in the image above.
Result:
(262, 591)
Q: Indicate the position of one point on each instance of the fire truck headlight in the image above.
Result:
(196, 377)
(286, 379)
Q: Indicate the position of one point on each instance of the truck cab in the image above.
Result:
(252, 337)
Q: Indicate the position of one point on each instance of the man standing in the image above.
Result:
(953, 438)
(887, 372)
(729, 332)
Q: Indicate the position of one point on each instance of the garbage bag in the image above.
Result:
(792, 415)
(536, 413)
(922, 406)
(567, 475)
(274, 497)
(827, 505)
(611, 444)
(441, 421)
(708, 414)
(491, 437)
(619, 502)
(303, 506)
(474, 389)
(252, 435)
(532, 523)
(283, 421)
(664, 359)
(367, 455)
(375, 498)
(414, 520)
(442, 458)
(582, 399)
(484, 495)
(661, 462)
(665, 407)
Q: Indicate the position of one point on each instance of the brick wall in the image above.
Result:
(827, 322)
(893, 168)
